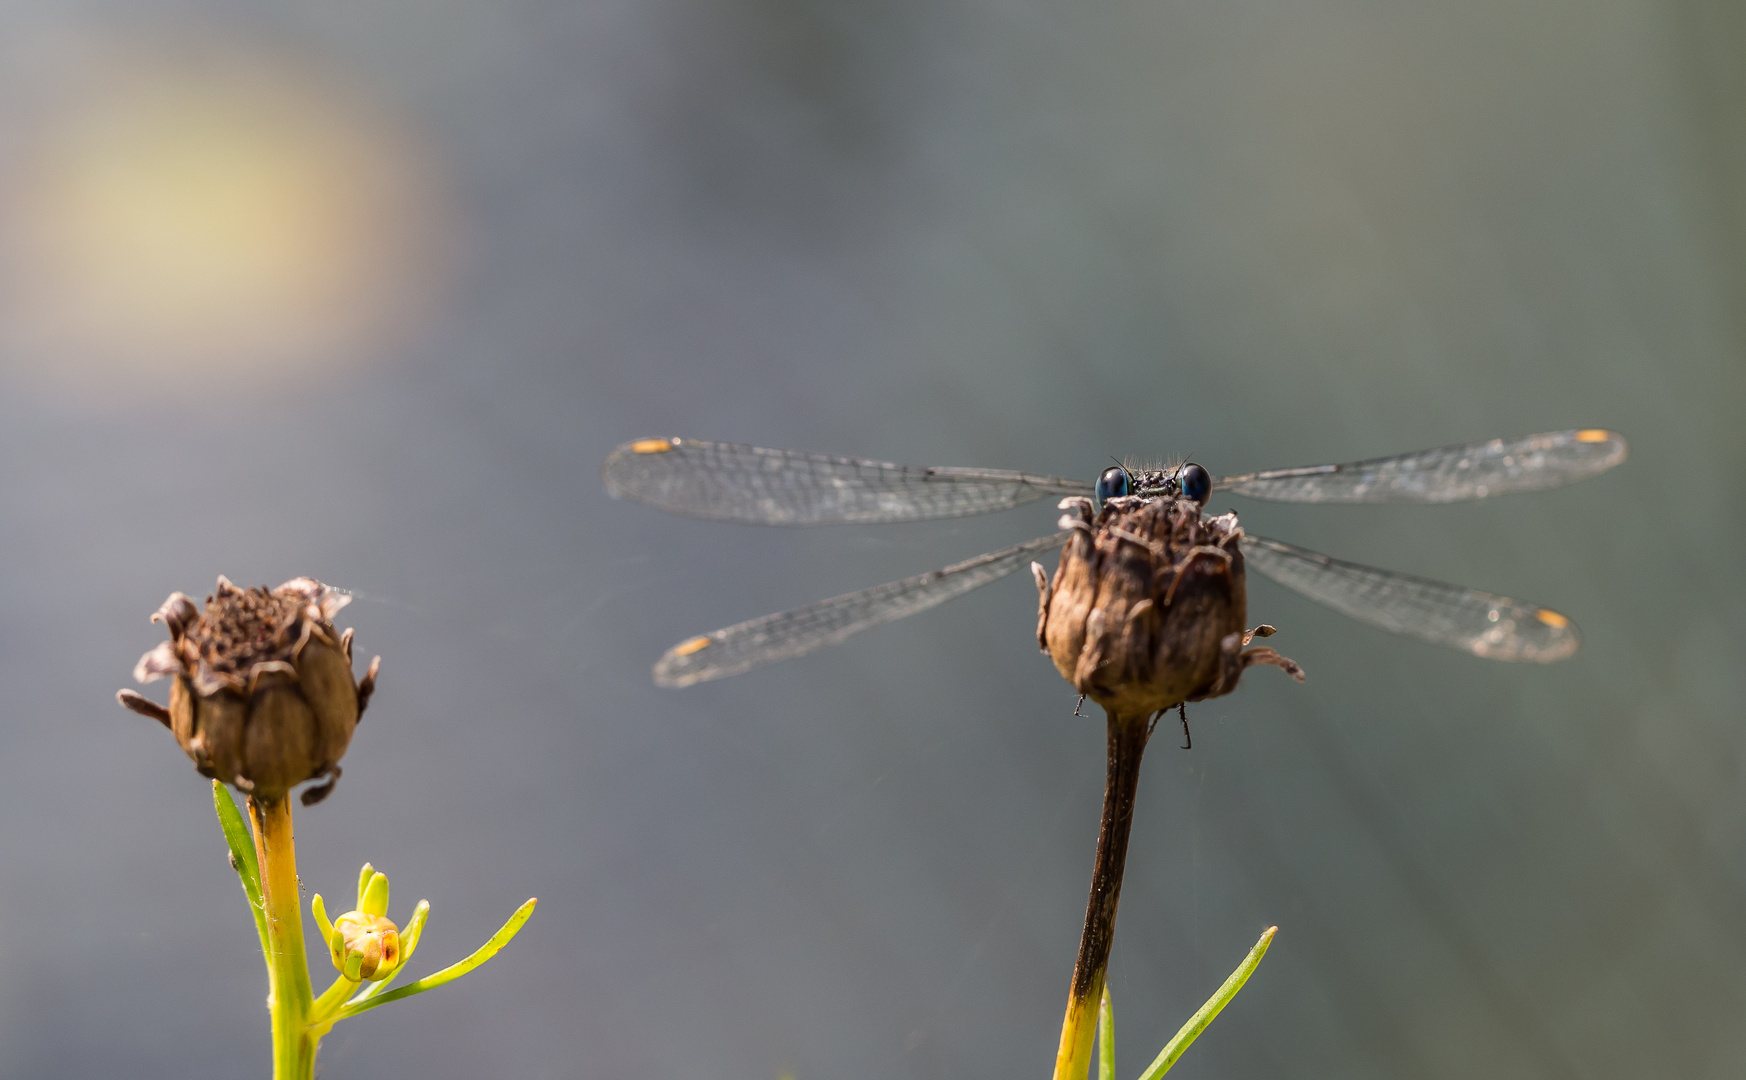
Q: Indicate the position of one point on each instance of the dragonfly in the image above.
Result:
(755, 485)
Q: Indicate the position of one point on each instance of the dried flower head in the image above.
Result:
(1146, 609)
(262, 695)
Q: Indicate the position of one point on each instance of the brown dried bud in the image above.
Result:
(263, 696)
(1146, 609)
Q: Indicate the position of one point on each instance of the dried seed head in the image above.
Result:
(263, 695)
(1146, 609)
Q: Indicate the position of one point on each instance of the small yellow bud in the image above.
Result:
(364, 946)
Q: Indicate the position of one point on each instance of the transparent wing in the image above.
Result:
(1494, 627)
(729, 482)
(798, 632)
(1447, 474)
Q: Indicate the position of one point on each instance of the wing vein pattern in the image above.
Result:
(1446, 474)
(730, 482)
(788, 634)
(1494, 627)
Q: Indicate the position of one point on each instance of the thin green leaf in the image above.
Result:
(375, 898)
(242, 857)
(1198, 1022)
(1105, 1037)
(453, 971)
(318, 908)
(414, 929)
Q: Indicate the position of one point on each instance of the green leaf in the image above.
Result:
(1198, 1022)
(318, 907)
(453, 971)
(375, 898)
(414, 930)
(1105, 1036)
(242, 857)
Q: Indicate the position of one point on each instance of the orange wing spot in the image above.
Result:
(1552, 619)
(659, 446)
(1593, 434)
(686, 648)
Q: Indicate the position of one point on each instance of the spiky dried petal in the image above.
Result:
(161, 662)
(176, 613)
(143, 705)
(367, 685)
(313, 795)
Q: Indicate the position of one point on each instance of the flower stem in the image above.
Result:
(289, 999)
(1127, 742)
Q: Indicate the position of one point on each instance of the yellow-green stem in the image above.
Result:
(289, 998)
(1073, 1059)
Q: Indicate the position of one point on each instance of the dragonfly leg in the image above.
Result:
(1076, 705)
(1187, 739)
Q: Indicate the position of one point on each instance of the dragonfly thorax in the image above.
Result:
(1156, 484)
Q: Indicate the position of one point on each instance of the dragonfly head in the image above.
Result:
(1186, 481)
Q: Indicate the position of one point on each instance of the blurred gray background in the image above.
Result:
(368, 289)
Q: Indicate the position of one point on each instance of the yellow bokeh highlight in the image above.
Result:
(236, 217)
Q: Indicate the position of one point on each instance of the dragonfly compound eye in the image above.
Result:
(1195, 482)
(1114, 482)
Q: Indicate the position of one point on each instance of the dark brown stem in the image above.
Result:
(1127, 742)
